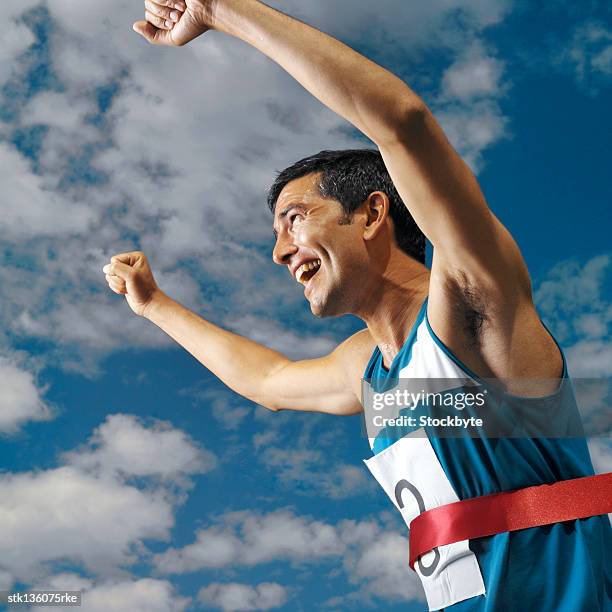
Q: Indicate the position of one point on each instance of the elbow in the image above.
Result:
(405, 123)
(271, 407)
(266, 402)
(411, 119)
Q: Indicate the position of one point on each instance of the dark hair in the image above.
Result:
(350, 176)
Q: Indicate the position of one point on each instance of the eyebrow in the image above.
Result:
(286, 211)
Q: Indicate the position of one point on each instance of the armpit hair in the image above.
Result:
(471, 307)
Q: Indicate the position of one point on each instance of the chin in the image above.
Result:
(318, 312)
(317, 309)
(326, 307)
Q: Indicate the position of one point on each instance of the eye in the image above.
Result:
(295, 216)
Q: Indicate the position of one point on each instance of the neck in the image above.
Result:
(393, 298)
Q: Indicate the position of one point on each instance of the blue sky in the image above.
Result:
(128, 471)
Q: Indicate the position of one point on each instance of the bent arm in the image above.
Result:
(256, 372)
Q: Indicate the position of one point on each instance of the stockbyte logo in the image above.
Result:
(425, 420)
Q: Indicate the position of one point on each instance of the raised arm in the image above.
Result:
(480, 302)
(327, 384)
(439, 189)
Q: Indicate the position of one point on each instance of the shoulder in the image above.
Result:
(354, 353)
(360, 342)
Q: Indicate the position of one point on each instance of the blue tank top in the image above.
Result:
(563, 567)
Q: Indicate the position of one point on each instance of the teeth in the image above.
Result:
(306, 268)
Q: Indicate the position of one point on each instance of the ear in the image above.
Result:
(376, 208)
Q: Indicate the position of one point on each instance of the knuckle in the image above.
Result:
(157, 9)
(153, 19)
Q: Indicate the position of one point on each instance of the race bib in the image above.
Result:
(413, 478)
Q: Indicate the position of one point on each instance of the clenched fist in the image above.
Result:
(176, 22)
(129, 274)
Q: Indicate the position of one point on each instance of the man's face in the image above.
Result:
(321, 249)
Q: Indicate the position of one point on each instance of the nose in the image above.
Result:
(283, 250)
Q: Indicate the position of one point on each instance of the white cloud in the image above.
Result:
(86, 511)
(20, 397)
(570, 287)
(64, 513)
(374, 555)
(468, 103)
(312, 464)
(212, 548)
(61, 305)
(140, 595)
(264, 438)
(571, 300)
(592, 358)
(309, 470)
(57, 110)
(227, 408)
(229, 416)
(293, 465)
(346, 480)
(123, 445)
(15, 40)
(600, 450)
(6, 580)
(32, 209)
(284, 535)
(84, 63)
(181, 159)
(589, 53)
(12, 9)
(144, 595)
(425, 25)
(601, 454)
(593, 325)
(234, 597)
(100, 329)
(592, 398)
(379, 562)
(602, 61)
(283, 340)
(248, 538)
(473, 75)
(473, 128)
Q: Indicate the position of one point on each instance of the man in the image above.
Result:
(348, 227)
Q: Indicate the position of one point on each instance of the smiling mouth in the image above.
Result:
(306, 271)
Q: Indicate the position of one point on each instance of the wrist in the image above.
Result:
(155, 304)
(228, 15)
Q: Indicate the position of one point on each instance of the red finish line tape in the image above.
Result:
(484, 516)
